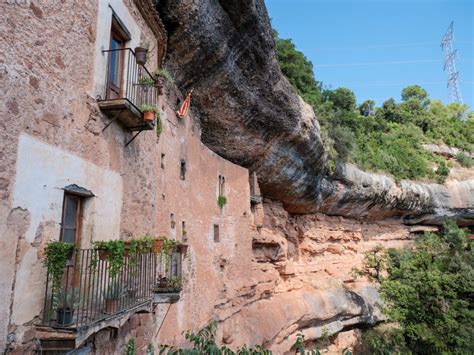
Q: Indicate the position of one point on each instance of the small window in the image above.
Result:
(216, 233)
(182, 170)
(172, 221)
(162, 161)
(184, 233)
(71, 218)
(221, 185)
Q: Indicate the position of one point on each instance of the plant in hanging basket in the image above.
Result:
(149, 112)
(141, 55)
(114, 252)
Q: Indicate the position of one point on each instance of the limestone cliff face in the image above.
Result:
(252, 116)
(302, 280)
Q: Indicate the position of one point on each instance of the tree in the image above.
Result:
(429, 292)
(342, 98)
(414, 92)
(367, 108)
(298, 70)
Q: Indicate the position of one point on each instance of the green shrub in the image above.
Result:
(464, 160)
(221, 201)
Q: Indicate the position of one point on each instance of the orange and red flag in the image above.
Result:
(185, 106)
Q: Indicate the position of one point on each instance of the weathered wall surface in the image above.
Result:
(52, 137)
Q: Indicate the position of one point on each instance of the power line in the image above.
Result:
(377, 63)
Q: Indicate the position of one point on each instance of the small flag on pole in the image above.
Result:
(185, 106)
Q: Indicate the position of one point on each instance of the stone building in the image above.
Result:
(71, 93)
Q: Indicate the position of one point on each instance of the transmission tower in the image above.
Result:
(450, 65)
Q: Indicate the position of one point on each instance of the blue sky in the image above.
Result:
(377, 47)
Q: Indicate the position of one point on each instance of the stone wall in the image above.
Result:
(52, 137)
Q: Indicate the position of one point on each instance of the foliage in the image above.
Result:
(221, 201)
(146, 80)
(57, 253)
(203, 342)
(464, 160)
(387, 139)
(149, 108)
(149, 349)
(298, 70)
(116, 252)
(165, 74)
(375, 262)
(131, 347)
(382, 341)
(68, 299)
(428, 293)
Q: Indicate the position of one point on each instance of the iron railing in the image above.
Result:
(126, 79)
(92, 290)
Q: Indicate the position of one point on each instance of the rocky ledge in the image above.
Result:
(252, 116)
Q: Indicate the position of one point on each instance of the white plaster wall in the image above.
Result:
(42, 171)
(104, 24)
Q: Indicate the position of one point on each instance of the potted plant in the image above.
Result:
(174, 283)
(66, 304)
(141, 54)
(57, 253)
(158, 244)
(146, 81)
(149, 112)
(114, 252)
(162, 76)
(112, 297)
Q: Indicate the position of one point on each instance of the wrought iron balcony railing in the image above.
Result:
(92, 290)
(126, 79)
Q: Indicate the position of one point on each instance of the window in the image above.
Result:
(118, 36)
(221, 185)
(162, 160)
(182, 173)
(71, 218)
(184, 233)
(216, 233)
(172, 221)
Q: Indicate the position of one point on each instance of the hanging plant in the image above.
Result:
(170, 247)
(57, 253)
(115, 253)
(221, 201)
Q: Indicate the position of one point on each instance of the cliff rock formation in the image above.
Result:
(252, 116)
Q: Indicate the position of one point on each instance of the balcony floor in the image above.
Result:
(129, 116)
(69, 339)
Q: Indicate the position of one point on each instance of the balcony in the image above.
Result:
(94, 294)
(129, 85)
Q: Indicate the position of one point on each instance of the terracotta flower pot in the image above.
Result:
(111, 305)
(148, 116)
(140, 55)
(103, 254)
(157, 245)
(183, 248)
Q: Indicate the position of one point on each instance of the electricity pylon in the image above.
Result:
(450, 65)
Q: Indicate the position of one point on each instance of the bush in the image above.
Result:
(464, 160)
